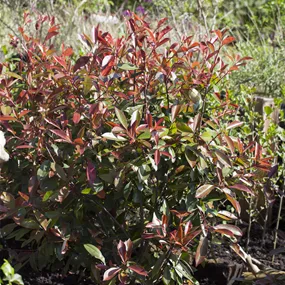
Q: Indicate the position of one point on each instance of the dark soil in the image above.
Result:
(44, 278)
(221, 258)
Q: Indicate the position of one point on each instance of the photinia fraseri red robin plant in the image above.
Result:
(125, 252)
(104, 143)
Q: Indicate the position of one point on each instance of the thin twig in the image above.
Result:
(203, 16)
(278, 220)
(7, 26)
(111, 216)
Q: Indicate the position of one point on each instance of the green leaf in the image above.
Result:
(166, 278)
(122, 118)
(59, 171)
(44, 169)
(268, 110)
(17, 279)
(127, 66)
(52, 214)
(157, 267)
(183, 128)
(13, 74)
(47, 195)
(6, 230)
(145, 135)
(209, 135)
(6, 110)
(190, 156)
(111, 136)
(144, 172)
(7, 269)
(86, 191)
(30, 224)
(87, 84)
(95, 252)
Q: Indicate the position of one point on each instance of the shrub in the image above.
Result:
(120, 153)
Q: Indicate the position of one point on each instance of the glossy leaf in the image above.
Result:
(228, 229)
(223, 158)
(127, 66)
(111, 273)
(95, 252)
(201, 251)
(204, 190)
(122, 118)
(138, 269)
(81, 62)
(241, 187)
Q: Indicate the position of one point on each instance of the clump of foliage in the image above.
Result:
(120, 161)
(9, 276)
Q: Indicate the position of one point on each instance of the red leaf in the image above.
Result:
(219, 34)
(76, 118)
(101, 194)
(129, 248)
(161, 22)
(149, 120)
(62, 135)
(234, 125)
(91, 172)
(111, 273)
(83, 60)
(228, 40)
(246, 58)
(241, 187)
(139, 270)
(257, 153)
(24, 146)
(223, 158)
(53, 29)
(106, 70)
(24, 196)
(68, 52)
(79, 141)
(201, 251)
(23, 113)
(7, 118)
(94, 35)
(175, 111)
(60, 60)
(230, 144)
(163, 41)
(234, 67)
(157, 157)
(50, 35)
(122, 251)
(165, 153)
(234, 202)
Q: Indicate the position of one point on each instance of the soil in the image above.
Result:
(44, 278)
(221, 259)
(221, 262)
